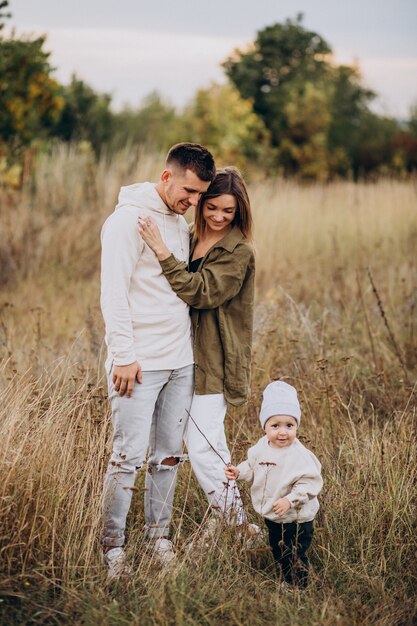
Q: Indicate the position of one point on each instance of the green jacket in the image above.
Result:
(221, 294)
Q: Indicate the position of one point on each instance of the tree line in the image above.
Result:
(286, 109)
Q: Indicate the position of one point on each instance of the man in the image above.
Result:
(150, 359)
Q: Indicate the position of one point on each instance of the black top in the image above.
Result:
(194, 265)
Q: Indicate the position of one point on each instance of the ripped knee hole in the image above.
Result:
(171, 461)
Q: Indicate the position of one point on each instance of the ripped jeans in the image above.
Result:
(155, 417)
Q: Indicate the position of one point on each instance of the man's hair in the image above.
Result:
(227, 181)
(192, 156)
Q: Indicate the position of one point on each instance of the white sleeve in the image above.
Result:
(121, 250)
(308, 485)
(246, 467)
(245, 472)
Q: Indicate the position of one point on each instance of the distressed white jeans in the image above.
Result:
(208, 412)
(155, 416)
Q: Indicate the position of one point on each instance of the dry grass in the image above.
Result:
(351, 352)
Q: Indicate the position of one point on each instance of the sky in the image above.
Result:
(129, 48)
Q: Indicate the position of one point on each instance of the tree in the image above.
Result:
(220, 119)
(283, 58)
(3, 5)
(303, 148)
(155, 123)
(30, 100)
(405, 143)
(374, 151)
(348, 106)
(85, 116)
(412, 122)
(315, 110)
(285, 75)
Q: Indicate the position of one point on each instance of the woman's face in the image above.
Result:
(218, 213)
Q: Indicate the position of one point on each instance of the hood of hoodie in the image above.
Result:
(143, 199)
(143, 196)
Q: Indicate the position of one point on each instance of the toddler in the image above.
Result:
(285, 479)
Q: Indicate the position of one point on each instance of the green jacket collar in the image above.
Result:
(229, 241)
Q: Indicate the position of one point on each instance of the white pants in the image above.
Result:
(208, 413)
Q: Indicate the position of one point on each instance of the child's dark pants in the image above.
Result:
(289, 544)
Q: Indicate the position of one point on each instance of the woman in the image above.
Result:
(218, 284)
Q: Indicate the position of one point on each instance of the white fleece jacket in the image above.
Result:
(292, 472)
(145, 320)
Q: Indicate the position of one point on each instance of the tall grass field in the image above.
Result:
(335, 316)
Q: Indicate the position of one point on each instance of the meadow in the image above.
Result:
(335, 316)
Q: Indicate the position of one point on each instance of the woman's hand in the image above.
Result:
(150, 234)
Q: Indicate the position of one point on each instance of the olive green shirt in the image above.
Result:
(221, 294)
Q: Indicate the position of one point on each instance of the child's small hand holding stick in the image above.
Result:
(231, 472)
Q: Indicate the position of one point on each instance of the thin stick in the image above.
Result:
(201, 432)
(368, 326)
(397, 350)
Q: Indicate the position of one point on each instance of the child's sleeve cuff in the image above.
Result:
(245, 471)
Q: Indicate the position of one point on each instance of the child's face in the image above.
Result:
(281, 430)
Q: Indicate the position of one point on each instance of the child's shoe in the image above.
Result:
(253, 534)
(203, 538)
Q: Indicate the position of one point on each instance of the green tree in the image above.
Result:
(315, 110)
(3, 15)
(85, 116)
(283, 57)
(405, 143)
(303, 149)
(156, 123)
(374, 151)
(412, 122)
(349, 112)
(220, 119)
(30, 101)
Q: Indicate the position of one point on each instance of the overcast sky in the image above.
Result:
(131, 47)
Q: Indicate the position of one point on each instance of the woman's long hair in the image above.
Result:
(228, 180)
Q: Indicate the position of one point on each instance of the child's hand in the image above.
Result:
(231, 472)
(281, 506)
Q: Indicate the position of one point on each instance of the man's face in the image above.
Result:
(182, 189)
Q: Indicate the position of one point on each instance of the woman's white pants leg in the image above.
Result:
(208, 412)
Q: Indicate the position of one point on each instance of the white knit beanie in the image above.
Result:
(279, 398)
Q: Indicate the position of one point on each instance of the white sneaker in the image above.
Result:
(210, 530)
(163, 551)
(254, 536)
(115, 561)
(213, 528)
(205, 535)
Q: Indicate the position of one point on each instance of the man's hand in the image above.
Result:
(231, 472)
(124, 377)
(281, 506)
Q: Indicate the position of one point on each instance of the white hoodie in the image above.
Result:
(291, 472)
(145, 320)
